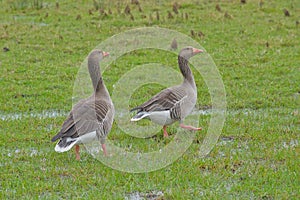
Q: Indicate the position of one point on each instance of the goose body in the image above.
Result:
(90, 119)
(174, 103)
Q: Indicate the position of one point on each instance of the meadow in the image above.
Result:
(255, 46)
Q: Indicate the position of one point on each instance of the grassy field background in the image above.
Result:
(255, 46)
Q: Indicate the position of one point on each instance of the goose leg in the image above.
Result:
(191, 128)
(165, 131)
(104, 149)
(77, 152)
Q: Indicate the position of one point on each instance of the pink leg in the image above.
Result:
(191, 128)
(104, 149)
(77, 152)
(165, 131)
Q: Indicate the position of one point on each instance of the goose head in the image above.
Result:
(98, 55)
(189, 52)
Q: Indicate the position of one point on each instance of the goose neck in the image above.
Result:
(95, 74)
(185, 70)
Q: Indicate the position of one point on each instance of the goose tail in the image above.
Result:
(139, 116)
(65, 144)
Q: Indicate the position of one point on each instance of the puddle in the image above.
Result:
(152, 195)
(292, 144)
(21, 17)
(224, 140)
(245, 111)
(202, 112)
(33, 152)
(39, 24)
(42, 115)
(28, 20)
(122, 113)
(24, 152)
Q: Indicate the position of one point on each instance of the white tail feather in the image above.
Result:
(67, 148)
(86, 138)
(140, 116)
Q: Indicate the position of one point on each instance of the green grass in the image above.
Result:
(256, 50)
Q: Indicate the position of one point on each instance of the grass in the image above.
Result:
(256, 49)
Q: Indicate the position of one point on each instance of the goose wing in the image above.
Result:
(165, 100)
(87, 116)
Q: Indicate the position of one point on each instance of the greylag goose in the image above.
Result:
(91, 118)
(173, 103)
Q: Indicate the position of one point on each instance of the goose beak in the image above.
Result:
(195, 51)
(105, 54)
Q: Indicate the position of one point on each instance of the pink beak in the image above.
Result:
(105, 54)
(197, 50)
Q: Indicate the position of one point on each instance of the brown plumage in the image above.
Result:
(91, 118)
(174, 103)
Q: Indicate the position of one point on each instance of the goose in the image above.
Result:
(91, 118)
(174, 103)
